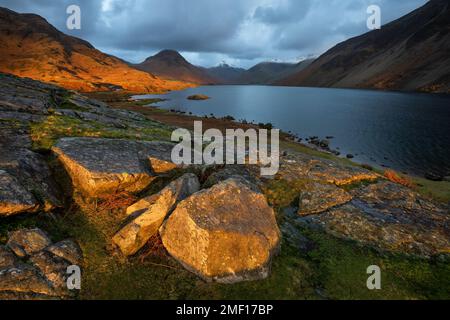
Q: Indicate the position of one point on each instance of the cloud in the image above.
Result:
(208, 32)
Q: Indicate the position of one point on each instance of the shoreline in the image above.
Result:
(438, 190)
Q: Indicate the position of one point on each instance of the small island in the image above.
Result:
(198, 97)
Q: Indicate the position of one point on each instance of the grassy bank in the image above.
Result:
(329, 269)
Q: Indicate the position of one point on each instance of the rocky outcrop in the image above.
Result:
(148, 214)
(248, 172)
(27, 242)
(227, 233)
(31, 267)
(14, 198)
(390, 217)
(33, 116)
(319, 197)
(100, 167)
(26, 182)
(297, 166)
(7, 258)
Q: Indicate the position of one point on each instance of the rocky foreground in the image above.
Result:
(222, 223)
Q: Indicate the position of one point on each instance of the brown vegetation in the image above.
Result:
(396, 178)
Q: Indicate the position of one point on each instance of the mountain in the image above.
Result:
(411, 53)
(169, 64)
(226, 74)
(270, 72)
(31, 47)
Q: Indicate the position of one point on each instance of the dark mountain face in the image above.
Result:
(271, 72)
(411, 53)
(169, 64)
(31, 47)
(262, 73)
(226, 74)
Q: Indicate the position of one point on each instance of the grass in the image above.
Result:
(437, 190)
(281, 193)
(332, 269)
(45, 134)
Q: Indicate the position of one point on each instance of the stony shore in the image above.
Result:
(101, 176)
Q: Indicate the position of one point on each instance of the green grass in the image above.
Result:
(68, 105)
(45, 134)
(438, 190)
(332, 269)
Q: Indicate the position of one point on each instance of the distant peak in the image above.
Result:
(168, 52)
(168, 55)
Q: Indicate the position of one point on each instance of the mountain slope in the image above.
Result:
(270, 72)
(31, 47)
(169, 64)
(226, 74)
(411, 53)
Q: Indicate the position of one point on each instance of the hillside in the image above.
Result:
(271, 72)
(226, 74)
(411, 53)
(169, 64)
(31, 47)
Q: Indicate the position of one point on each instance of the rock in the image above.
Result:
(447, 178)
(54, 269)
(149, 214)
(325, 144)
(103, 166)
(386, 196)
(28, 170)
(350, 156)
(24, 279)
(227, 233)
(319, 197)
(433, 177)
(68, 250)
(247, 172)
(26, 242)
(305, 167)
(39, 271)
(14, 198)
(291, 233)
(7, 258)
(389, 217)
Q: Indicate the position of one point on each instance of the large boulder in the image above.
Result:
(227, 233)
(100, 167)
(319, 197)
(148, 214)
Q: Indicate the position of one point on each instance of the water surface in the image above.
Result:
(409, 132)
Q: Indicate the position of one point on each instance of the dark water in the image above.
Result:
(404, 131)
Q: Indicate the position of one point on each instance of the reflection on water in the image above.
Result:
(406, 131)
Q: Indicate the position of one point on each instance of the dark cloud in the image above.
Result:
(208, 32)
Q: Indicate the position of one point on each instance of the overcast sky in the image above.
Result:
(207, 32)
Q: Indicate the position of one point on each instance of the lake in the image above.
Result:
(409, 132)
